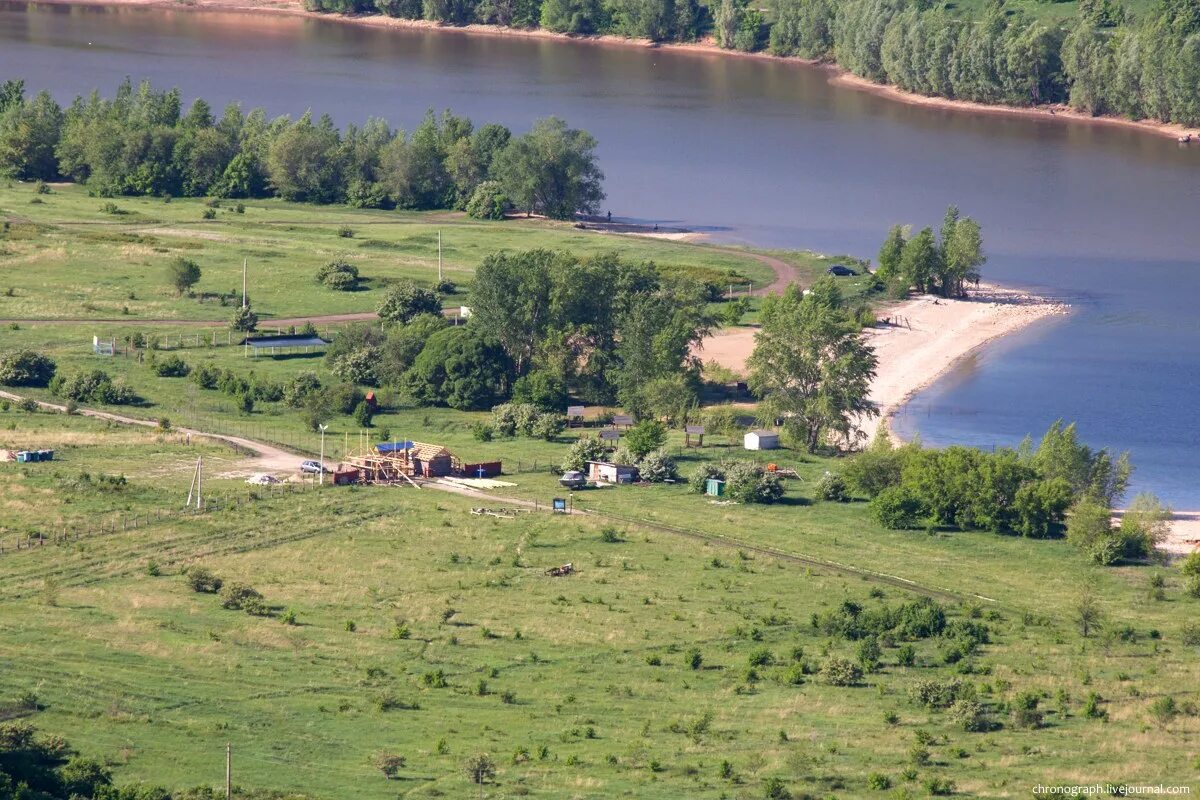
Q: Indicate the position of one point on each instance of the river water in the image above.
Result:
(766, 153)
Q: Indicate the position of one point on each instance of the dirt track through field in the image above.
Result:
(269, 458)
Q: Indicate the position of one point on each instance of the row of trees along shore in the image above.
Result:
(1106, 61)
(142, 142)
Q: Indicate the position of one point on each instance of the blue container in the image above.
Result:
(45, 455)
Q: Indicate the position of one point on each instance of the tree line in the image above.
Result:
(1105, 62)
(545, 325)
(142, 142)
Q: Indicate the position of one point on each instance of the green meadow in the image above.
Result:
(695, 652)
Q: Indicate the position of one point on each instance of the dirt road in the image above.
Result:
(267, 458)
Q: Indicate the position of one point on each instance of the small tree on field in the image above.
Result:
(646, 436)
(390, 765)
(183, 274)
(480, 769)
(244, 319)
(1087, 613)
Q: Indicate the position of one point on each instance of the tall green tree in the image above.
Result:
(551, 170)
(811, 368)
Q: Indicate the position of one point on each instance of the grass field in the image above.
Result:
(431, 633)
(137, 669)
(64, 257)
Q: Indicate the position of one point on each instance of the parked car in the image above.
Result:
(573, 479)
(841, 270)
(313, 468)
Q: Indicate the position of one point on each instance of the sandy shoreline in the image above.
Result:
(837, 75)
(921, 339)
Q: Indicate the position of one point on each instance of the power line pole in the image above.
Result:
(244, 284)
(439, 256)
(228, 771)
(322, 462)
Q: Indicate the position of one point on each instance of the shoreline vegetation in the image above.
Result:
(1056, 112)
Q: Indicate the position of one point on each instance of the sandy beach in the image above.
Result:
(920, 339)
(837, 75)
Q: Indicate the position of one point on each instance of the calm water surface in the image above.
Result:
(770, 154)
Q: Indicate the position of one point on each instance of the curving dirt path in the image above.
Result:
(268, 458)
(785, 273)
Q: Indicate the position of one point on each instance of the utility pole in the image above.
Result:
(228, 771)
(197, 487)
(321, 474)
(244, 284)
(439, 256)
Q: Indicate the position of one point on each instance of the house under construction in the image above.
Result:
(400, 462)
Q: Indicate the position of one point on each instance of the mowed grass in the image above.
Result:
(589, 692)
(65, 257)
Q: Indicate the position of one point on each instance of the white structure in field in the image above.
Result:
(761, 440)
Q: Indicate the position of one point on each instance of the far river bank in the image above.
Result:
(837, 75)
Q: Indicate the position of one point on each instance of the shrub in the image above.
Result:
(583, 451)
(832, 487)
(339, 276)
(1163, 710)
(698, 479)
(482, 432)
(445, 286)
(658, 467)
(390, 765)
(406, 300)
(897, 508)
(26, 368)
(775, 789)
(172, 367)
(694, 659)
(645, 437)
(936, 694)
(203, 580)
(237, 595)
(761, 657)
(748, 482)
(876, 468)
(841, 672)
(488, 201)
(548, 426)
(540, 388)
(878, 782)
(970, 715)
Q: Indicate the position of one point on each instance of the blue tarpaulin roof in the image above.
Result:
(392, 447)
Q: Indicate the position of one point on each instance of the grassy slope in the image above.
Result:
(144, 673)
(156, 679)
(65, 258)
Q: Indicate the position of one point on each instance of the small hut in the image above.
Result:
(761, 440)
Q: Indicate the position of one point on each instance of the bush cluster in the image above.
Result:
(745, 481)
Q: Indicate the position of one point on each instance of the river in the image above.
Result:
(767, 153)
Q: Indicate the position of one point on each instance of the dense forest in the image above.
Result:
(1107, 62)
(142, 142)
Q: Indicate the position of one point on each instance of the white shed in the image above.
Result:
(761, 440)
